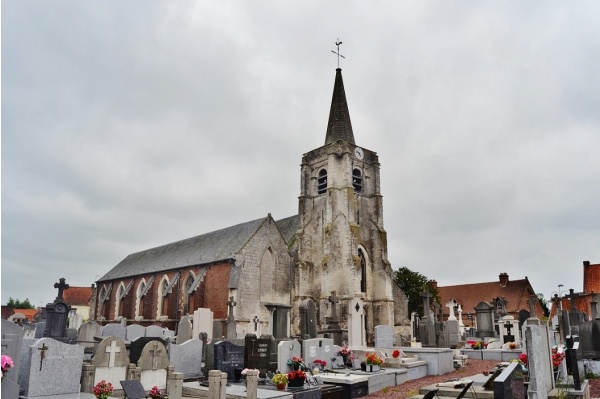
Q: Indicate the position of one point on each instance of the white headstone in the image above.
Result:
(356, 324)
(184, 330)
(318, 348)
(450, 305)
(203, 322)
(384, 336)
(285, 351)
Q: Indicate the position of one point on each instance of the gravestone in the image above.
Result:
(203, 322)
(134, 331)
(12, 345)
(40, 329)
(384, 336)
(136, 347)
(155, 331)
(538, 359)
(154, 363)
(86, 334)
(57, 314)
(184, 330)
(186, 358)
(485, 320)
(257, 353)
(356, 323)
(589, 339)
(28, 331)
(54, 368)
(285, 351)
(426, 325)
(308, 318)
(318, 349)
(571, 360)
(231, 325)
(451, 305)
(453, 332)
(228, 357)
(110, 361)
(114, 330)
(509, 329)
(75, 319)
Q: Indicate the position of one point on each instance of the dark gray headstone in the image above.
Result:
(39, 330)
(509, 384)
(589, 339)
(227, 357)
(12, 342)
(56, 320)
(186, 358)
(308, 318)
(137, 346)
(257, 353)
(485, 320)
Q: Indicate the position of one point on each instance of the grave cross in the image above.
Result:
(154, 352)
(43, 350)
(426, 311)
(531, 302)
(231, 304)
(572, 299)
(113, 349)
(256, 321)
(334, 302)
(508, 325)
(61, 287)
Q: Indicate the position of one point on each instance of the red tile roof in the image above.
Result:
(516, 292)
(29, 313)
(78, 296)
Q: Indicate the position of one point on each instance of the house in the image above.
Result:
(582, 301)
(79, 298)
(276, 276)
(509, 297)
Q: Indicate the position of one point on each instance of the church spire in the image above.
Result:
(339, 126)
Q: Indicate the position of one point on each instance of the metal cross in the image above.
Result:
(338, 51)
(334, 302)
(44, 348)
(256, 321)
(231, 304)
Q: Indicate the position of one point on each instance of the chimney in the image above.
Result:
(503, 279)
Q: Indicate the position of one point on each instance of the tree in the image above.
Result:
(544, 303)
(413, 284)
(17, 304)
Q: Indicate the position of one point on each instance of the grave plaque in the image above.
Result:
(186, 358)
(257, 353)
(228, 357)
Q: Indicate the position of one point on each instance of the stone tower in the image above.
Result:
(342, 244)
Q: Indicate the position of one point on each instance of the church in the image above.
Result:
(325, 267)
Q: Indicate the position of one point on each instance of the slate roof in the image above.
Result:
(288, 227)
(516, 293)
(78, 296)
(211, 247)
(339, 126)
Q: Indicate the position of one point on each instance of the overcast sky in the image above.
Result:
(128, 125)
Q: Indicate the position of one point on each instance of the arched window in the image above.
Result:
(139, 303)
(188, 297)
(363, 271)
(163, 300)
(119, 300)
(322, 181)
(357, 180)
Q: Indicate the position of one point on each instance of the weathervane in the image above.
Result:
(338, 51)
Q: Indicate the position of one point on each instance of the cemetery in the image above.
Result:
(534, 360)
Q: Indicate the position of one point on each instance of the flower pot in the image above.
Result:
(296, 367)
(373, 368)
(297, 383)
(281, 387)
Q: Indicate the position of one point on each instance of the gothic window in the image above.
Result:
(188, 297)
(357, 180)
(103, 307)
(119, 300)
(322, 181)
(163, 300)
(139, 303)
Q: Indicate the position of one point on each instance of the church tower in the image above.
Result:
(342, 244)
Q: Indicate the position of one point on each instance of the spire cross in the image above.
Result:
(338, 51)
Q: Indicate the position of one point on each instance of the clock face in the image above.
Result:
(358, 153)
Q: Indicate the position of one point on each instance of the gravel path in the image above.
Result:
(473, 367)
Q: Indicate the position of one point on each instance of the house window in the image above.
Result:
(322, 182)
(357, 180)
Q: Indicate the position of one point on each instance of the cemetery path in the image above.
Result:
(411, 388)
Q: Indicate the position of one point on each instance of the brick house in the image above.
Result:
(336, 243)
(79, 298)
(582, 301)
(509, 296)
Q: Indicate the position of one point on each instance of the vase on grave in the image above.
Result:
(281, 387)
(371, 368)
(296, 383)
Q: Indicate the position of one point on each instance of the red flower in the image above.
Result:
(296, 375)
(523, 358)
(396, 353)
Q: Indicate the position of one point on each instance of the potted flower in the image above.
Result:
(395, 353)
(280, 380)
(296, 379)
(103, 389)
(155, 393)
(557, 358)
(296, 363)
(319, 365)
(7, 363)
(373, 362)
(347, 355)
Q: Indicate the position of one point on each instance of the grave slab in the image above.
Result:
(186, 358)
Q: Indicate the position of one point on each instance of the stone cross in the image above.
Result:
(154, 353)
(531, 302)
(256, 321)
(113, 349)
(61, 287)
(572, 299)
(231, 304)
(333, 300)
(426, 311)
(459, 310)
(44, 348)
